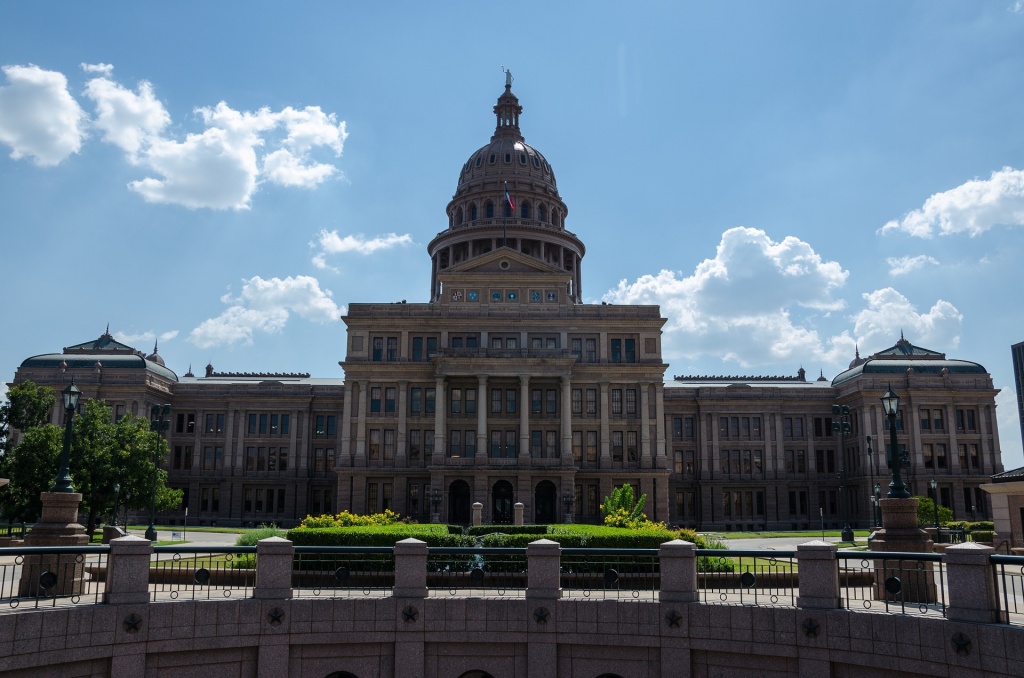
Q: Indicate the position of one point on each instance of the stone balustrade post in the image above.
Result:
(971, 582)
(517, 512)
(127, 581)
(274, 561)
(478, 513)
(677, 564)
(410, 569)
(544, 570)
(819, 575)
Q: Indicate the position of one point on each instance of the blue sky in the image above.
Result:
(786, 179)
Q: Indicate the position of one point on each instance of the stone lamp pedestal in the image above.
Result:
(57, 526)
(900, 534)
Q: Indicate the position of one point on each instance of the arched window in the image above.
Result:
(472, 212)
(489, 210)
(524, 210)
(540, 213)
(458, 216)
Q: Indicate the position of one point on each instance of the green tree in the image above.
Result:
(103, 454)
(28, 406)
(926, 512)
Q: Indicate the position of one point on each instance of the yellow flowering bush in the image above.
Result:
(349, 519)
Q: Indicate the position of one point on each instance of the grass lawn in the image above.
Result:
(810, 534)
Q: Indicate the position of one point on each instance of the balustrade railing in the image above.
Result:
(906, 583)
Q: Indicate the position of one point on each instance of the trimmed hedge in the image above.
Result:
(521, 541)
(982, 535)
(508, 529)
(375, 536)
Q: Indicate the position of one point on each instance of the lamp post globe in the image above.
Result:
(891, 406)
(70, 397)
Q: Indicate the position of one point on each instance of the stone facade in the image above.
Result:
(505, 388)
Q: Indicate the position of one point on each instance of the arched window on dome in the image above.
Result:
(489, 210)
(541, 214)
(472, 212)
(555, 217)
(458, 217)
(524, 210)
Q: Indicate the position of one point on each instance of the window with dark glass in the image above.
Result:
(375, 400)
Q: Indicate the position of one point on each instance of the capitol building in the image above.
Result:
(506, 387)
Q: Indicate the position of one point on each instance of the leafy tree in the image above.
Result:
(926, 512)
(27, 407)
(103, 454)
(621, 510)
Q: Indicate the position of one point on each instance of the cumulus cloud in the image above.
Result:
(39, 119)
(904, 265)
(329, 242)
(972, 208)
(218, 167)
(739, 305)
(888, 313)
(143, 339)
(265, 306)
(129, 120)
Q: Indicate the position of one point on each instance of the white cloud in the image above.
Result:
(889, 313)
(283, 168)
(330, 242)
(127, 119)
(100, 69)
(265, 306)
(39, 119)
(973, 207)
(144, 339)
(738, 306)
(904, 265)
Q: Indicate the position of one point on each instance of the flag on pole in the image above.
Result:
(509, 200)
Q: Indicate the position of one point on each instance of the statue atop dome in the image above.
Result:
(508, 77)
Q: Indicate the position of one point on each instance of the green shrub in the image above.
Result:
(455, 529)
(478, 530)
(433, 535)
(982, 535)
(250, 537)
(521, 541)
(983, 525)
(348, 519)
(926, 512)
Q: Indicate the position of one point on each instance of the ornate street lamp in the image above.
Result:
(935, 501)
(158, 423)
(841, 425)
(435, 500)
(70, 396)
(878, 507)
(117, 501)
(891, 405)
(568, 500)
(871, 467)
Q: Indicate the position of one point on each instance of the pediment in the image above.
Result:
(505, 260)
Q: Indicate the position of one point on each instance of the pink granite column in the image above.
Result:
(274, 560)
(971, 583)
(543, 589)
(128, 571)
(409, 594)
(819, 576)
(677, 564)
(410, 569)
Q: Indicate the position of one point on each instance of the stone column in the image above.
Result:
(483, 404)
(409, 594)
(646, 454)
(57, 526)
(971, 582)
(439, 422)
(660, 451)
(400, 435)
(900, 534)
(566, 416)
(127, 581)
(524, 418)
(543, 590)
(360, 456)
(819, 576)
(606, 442)
(274, 559)
(677, 563)
(345, 449)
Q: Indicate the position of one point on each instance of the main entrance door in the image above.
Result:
(544, 501)
(501, 504)
(458, 503)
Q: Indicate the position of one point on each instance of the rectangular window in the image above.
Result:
(417, 349)
(252, 424)
(632, 451)
(677, 462)
(428, 443)
(617, 446)
(551, 401)
(261, 458)
(375, 400)
(592, 447)
(318, 459)
(389, 444)
(470, 401)
(431, 347)
(392, 349)
(429, 396)
(929, 456)
(677, 428)
(577, 348)
(591, 402)
(469, 441)
(414, 445)
(551, 444)
(577, 446)
(415, 401)
(536, 401)
(616, 346)
(378, 349)
(745, 427)
(510, 443)
(630, 402)
(577, 402)
(456, 401)
(263, 424)
(690, 467)
(938, 422)
(371, 497)
(250, 459)
(412, 502)
(536, 439)
(282, 459)
(591, 350)
(495, 401)
(975, 459)
(511, 396)
(630, 355)
(495, 443)
(688, 428)
(926, 421)
(389, 400)
(275, 425)
(385, 496)
(940, 456)
(617, 402)
(373, 445)
(455, 443)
